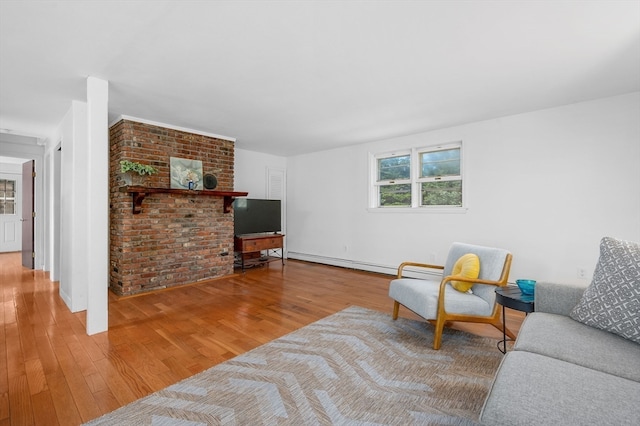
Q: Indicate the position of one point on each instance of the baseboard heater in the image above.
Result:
(365, 266)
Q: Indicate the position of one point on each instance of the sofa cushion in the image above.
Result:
(560, 337)
(612, 301)
(531, 389)
(556, 298)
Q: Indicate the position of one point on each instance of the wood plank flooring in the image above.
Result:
(52, 373)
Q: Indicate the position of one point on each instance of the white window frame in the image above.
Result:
(415, 181)
(374, 200)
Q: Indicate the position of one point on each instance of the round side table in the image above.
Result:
(511, 297)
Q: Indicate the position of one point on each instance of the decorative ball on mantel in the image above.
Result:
(210, 181)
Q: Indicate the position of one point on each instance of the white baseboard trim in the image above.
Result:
(365, 266)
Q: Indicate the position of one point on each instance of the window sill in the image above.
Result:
(420, 210)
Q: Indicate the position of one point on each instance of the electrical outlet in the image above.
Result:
(582, 273)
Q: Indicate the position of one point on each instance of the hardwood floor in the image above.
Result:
(52, 373)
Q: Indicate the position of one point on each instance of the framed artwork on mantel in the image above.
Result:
(185, 173)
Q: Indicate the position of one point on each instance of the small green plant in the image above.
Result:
(134, 166)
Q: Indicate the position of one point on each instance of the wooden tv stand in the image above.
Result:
(249, 248)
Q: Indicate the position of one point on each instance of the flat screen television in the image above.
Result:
(254, 216)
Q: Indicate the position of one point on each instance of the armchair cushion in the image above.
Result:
(421, 296)
(612, 301)
(468, 266)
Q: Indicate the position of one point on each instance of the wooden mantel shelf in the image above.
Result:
(139, 193)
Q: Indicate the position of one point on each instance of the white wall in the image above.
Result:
(251, 174)
(97, 205)
(53, 160)
(13, 168)
(250, 171)
(547, 185)
(73, 207)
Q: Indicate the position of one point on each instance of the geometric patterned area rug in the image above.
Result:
(355, 367)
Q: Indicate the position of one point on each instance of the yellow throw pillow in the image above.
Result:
(468, 266)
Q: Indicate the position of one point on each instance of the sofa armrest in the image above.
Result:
(556, 298)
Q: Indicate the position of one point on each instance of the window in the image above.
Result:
(440, 179)
(7, 196)
(394, 180)
(421, 177)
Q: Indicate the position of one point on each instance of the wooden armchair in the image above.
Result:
(439, 303)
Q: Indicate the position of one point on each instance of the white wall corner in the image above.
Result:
(97, 230)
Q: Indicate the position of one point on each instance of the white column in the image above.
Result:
(74, 212)
(98, 206)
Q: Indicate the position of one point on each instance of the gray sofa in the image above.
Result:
(563, 372)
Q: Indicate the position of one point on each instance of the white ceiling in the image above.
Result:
(287, 77)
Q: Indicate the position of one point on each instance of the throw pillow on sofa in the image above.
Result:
(612, 300)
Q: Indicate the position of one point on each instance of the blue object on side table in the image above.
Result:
(526, 286)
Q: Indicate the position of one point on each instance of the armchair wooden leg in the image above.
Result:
(437, 335)
(396, 309)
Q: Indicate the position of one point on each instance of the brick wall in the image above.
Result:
(176, 239)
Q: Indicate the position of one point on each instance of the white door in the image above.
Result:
(10, 212)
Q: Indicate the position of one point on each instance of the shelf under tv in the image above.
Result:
(249, 249)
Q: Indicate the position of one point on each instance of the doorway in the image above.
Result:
(17, 209)
(10, 212)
